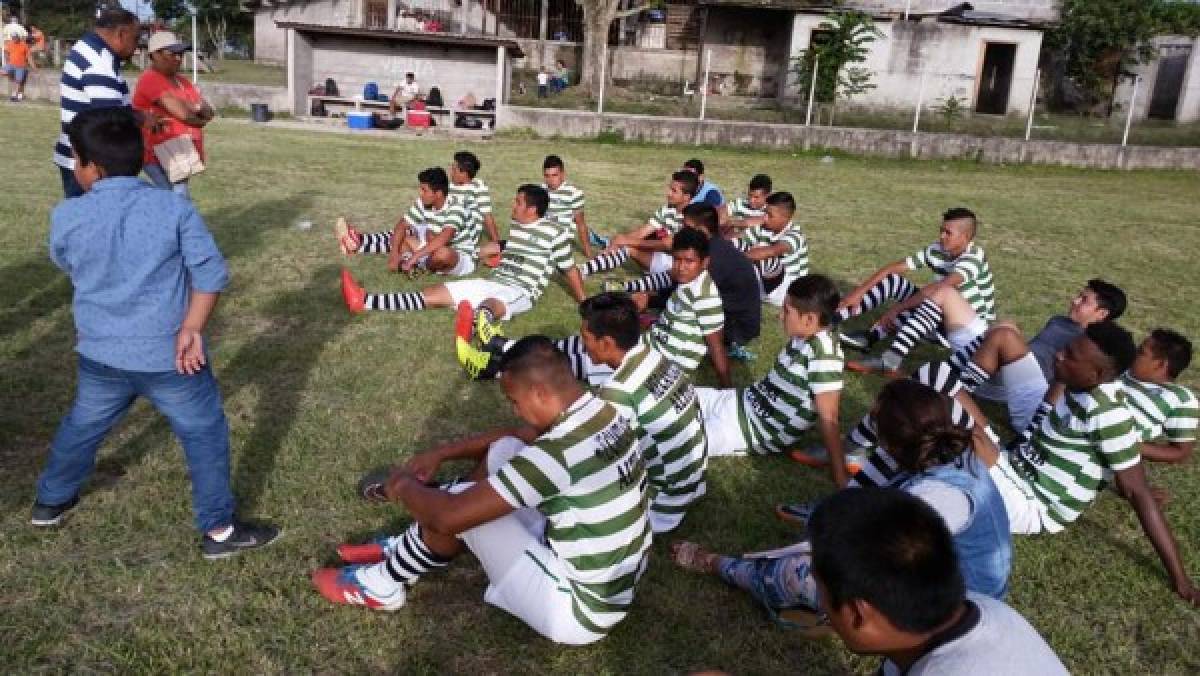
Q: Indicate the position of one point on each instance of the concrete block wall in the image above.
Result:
(270, 41)
(885, 143)
(1188, 109)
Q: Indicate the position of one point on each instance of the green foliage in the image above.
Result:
(843, 40)
(66, 19)
(951, 108)
(169, 10)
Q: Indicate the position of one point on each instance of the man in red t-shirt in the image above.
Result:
(172, 99)
(17, 65)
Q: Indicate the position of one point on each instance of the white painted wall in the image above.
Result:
(1036, 10)
(270, 42)
(1189, 98)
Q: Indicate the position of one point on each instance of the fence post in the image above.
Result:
(603, 76)
(917, 113)
(1037, 81)
(1137, 79)
(704, 94)
(195, 53)
(812, 91)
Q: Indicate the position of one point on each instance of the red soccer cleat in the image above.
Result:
(366, 553)
(464, 321)
(873, 365)
(341, 586)
(353, 294)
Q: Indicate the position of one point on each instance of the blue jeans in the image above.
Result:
(71, 187)
(191, 404)
(159, 178)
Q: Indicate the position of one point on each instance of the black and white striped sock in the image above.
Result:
(604, 262)
(411, 558)
(375, 242)
(896, 287)
(962, 356)
(572, 346)
(395, 302)
(923, 321)
(657, 282)
(973, 375)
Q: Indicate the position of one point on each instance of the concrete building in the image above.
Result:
(1169, 86)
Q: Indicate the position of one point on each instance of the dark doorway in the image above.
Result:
(995, 81)
(1172, 66)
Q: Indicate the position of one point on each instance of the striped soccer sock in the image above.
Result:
(656, 282)
(973, 375)
(375, 242)
(395, 302)
(604, 262)
(572, 346)
(411, 558)
(923, 321)
(962, 356)
(894, 287)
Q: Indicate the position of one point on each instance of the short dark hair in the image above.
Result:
(1115, 342)
(115, 17)
(1108, 296)
(536, 197)
(553, 162)
(959, 214)
(815, 293)
(695, 165)
(704, 216)
(435, 178)
(690, 239)
(890, 549)
(760, 182)
(782, 199)
(108, 138)
(612, 314)
(913, 422)
(468, 162)
(535, 359)
(1174, 347)
(688, 180)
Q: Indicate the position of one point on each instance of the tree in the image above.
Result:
(219, 17)
(169, 10)
(598, 16)
(842, 40)
(66, 19)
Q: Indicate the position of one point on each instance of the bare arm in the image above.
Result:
(189, 343)
(1131, 483)
(720, 360)
(447, 513)
(762, 253)
(575, 284)
(489, 224)
(1168, 451)
(424, 465)
(433, 244)
(181, 110)
(581, 229)
(827, 405)
(855, 297)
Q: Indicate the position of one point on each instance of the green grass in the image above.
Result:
(316, 397)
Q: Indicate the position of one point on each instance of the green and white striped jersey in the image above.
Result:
(565, 202)
(586, 475)
(693, 311)
(657, 396)
(532, 252)
(794, 261)
(740, 209)
(1076, 448)
(667, 218)
(777, 410)
(452, 215)
(976, 286)
(477, 201)
(1168, 411)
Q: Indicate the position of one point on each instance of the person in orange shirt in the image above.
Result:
(17, 65)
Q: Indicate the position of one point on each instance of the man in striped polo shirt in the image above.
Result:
(957, 263)
(749, 210)
(566, 201)
(801, 390)
(555, 512)
(536, 248)
(648, 244)
(1084, 436)
(91, 79)
(1165, 412)
(436, 234)
(777, 248)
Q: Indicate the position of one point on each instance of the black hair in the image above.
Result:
(695, 165)
(688, 180)
(108, 138)
(690, 239)
(435, 178)
(536, 197)
(535, 359)
(760, 182)
(468, 162)
(782, 199)
(115, 17)
(553, 162)
(704, 216)
(913, 422)
(612, 314)
(1174, 347)
(891, 550)
(1115, 342)
(959, 214)
(815, 293)
(1108, 296)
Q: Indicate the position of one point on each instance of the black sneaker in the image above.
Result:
(858, 340)
(44, 516)
(245, 536)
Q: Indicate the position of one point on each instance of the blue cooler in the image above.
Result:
(360, 120)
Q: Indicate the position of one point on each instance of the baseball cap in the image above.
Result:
(166, 40)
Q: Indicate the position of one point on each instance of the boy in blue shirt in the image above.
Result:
(146, 275)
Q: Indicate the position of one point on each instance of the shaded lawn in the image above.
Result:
(316, 397)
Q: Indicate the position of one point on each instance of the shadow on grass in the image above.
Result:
(29, 290)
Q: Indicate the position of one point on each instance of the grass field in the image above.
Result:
(315, 397)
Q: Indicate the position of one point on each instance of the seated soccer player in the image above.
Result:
(536, 247)
(566, 201)
(436, 234)
(938, 468)
(958, 263)
(648, 244)
(555, 512)
(1082, 436)
(1166, 413)
(733, 274)
(801, 390)
(476, 197)
(691, 326)
(890, 583)
(749, 210)
(707, 192)
(777, 247)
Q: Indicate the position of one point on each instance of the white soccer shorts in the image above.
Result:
(719, 410)
(475, 291)
(1027, 515)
